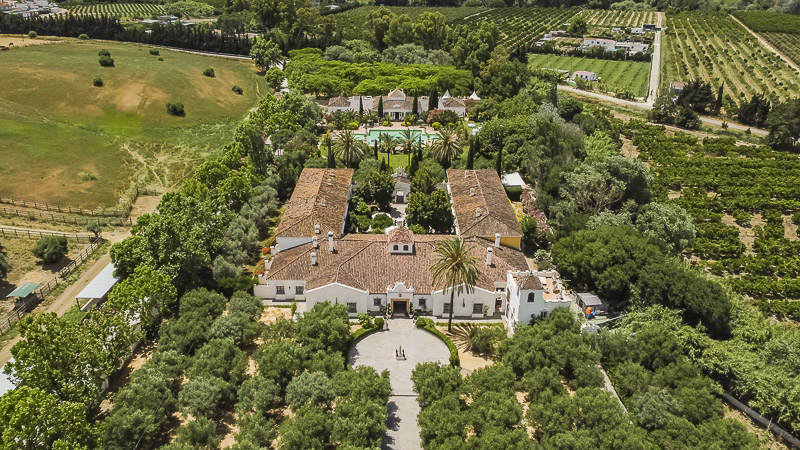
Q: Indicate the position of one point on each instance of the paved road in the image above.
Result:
(378, 352)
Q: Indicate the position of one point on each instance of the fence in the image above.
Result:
(35, 234)
(41, 215)
(761, 420)
(39, 294)
(64, 209)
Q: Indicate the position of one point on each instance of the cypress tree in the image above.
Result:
(331, 157)
(375, 146)
(380, 108)
(434, 101)
(384, 166)
(415, 107)
(413, 164)
(499, 161)
(718, 104)
(360, 106)
(471, 153)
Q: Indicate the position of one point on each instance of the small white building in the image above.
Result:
(607, 44)
(584, 75)
(533, 295)
(402, 185)
(98, 289)
(637, 30)
(633, 47)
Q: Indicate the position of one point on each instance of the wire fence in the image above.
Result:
(36, 234)
(53, 217)
(27, 304)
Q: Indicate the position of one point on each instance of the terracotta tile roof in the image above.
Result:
(400, 235)
(339, 101)
(529, 281)
(319, 198)
(481, 205)
(452, 102)
(364, 262)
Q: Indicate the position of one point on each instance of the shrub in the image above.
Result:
(379, 323)
(428, 325)
(32, 34)
(160, 58)
(209, 72)
(796, 218)
(83, 37)
(365, 320)
(175, 109)
(104, 52)
(314, 388)
(352, 125)
(51, 248)
(154, 51)
(238, 89)
(484, 339)
(106, 61)
(97, 82)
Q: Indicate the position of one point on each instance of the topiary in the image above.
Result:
(209, 72)
(83, 37)
(237, 89)
(154, 51)
(379, 323)
(175, 109)
(106, 61)
(97, 82)
(32, 34)
(104, 52)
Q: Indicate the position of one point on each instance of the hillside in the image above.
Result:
(63, 140)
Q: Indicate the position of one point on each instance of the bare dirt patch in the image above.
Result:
(672, 195)
(470, 360)
(765, 438)
(17, 41)
(141, 355)
(629, 150)
(790, 229)
(271, 314)
(746, 234)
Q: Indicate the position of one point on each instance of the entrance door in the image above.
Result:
(498, 304)
(400, 307)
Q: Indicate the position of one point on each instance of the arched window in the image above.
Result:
(531, 297)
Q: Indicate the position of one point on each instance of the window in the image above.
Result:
(531, 297)
(446, 309)
(423, 302)
(405, 248)
(279, 290)
(376, 301)
(543, 314)
(395, 247)
(298, 290)
(351, 308)
(477, 308)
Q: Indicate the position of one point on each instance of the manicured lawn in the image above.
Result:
(634, 76)
(63, 140)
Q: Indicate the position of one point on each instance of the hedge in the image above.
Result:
(428, 325)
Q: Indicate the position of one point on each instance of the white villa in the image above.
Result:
(397, 104)
(607, 44)
(316, 262)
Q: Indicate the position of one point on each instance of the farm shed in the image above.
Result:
(586, 300)
(97, 290)
(23, 291)
(585, 75)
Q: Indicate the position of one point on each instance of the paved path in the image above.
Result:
(378, 352)
(655, 64)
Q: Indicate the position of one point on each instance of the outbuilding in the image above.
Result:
(98, 289)
(589, 300)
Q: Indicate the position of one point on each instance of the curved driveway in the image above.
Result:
(378, 351)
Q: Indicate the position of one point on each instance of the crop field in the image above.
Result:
(741, 198)
(521, 27)
(351, 22)
(714, 48)
(64, 141)
(782, 31)
(608, 18)
(634, 76)
(143, 10)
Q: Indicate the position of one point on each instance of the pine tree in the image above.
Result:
(499, 161)
(380, 108)
(473, 146)
(434, 101)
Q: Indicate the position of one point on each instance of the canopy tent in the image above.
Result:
(23, 290)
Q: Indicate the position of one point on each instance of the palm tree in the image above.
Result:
(456, 269)
(407, 140)
(349, 148)
(446, 146)
(387, 143)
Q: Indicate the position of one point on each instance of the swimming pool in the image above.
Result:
(374, 134)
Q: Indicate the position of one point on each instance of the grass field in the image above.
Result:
(62, 140)
(634, 76)
(714, 48)
(351, 22)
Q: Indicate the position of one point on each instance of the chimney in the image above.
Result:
(477, 212)
(315, 242)
(472, 192)
(489, 256)
(497, 239)
(313, 258)
(316, 229)
(330, 241)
